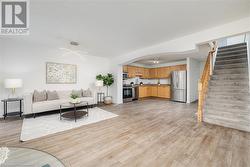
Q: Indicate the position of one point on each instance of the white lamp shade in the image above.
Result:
(99, 83)
(13, 83)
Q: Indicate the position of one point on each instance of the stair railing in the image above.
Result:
(203, 82)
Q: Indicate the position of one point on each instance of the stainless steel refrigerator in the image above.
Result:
(179, 86)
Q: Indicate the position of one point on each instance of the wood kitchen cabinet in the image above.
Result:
(131, 71)
(162, 91)
(125, 69)
(159, 72)
(139, 71)
(152, 73)
(134, 71)
(154, 91)
(149, 91)
(167, 72)
(178, 67)
(145, 73)
(163, 72)
(143, 91)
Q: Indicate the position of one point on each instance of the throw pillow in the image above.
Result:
(52, 95)
(39, 96)
(87, 93)
(77, 92)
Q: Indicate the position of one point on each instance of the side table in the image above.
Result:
(100, 98)
(5, 105)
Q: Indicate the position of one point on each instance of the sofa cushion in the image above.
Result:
(52, 95)
(77, 92)
(39, 96)
(86, 93)
(90, 100)
(44, 106)
(48, 105)
(64, 94)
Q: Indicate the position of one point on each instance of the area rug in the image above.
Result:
(33, 128)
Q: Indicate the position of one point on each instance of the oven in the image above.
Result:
(128, 93)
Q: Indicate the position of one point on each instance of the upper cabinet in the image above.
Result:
(134, 71)
(145, 73)
(178, 67)
(125, 69)
(152, 73)
(139, 71)
(131, 71)
(163, 72)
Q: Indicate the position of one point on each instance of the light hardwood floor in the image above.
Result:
(151, 132)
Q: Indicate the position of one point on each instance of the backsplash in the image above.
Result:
(137, 80)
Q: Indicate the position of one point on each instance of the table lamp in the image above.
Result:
(13, 84)
(99, 84)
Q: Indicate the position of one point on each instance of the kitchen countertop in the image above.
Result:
(154, 85)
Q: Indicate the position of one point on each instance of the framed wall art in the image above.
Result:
(58, 73)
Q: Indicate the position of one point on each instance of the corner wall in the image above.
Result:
(1, 79)
(193, 76)
(27, 60)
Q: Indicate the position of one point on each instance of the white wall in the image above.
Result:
(202, 65)
(193, 76)
(188, 42)
(231, 40)
(248, 54)
(1, 77)
(27, 60)
(235, 39)
(117, 87)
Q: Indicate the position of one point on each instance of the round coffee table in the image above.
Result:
(74, 112)
(18, 156)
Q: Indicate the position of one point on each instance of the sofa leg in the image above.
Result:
(34, 115)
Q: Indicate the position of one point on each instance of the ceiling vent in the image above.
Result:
(74, 43)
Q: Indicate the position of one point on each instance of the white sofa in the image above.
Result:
(31, 107)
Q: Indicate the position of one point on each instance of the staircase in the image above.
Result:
(228, 100)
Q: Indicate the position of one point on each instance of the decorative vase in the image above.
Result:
(108, 100)
(74, 101)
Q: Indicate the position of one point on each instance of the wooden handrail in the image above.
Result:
(203, 84)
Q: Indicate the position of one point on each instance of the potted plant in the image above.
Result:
(74, 98)
(108, 80)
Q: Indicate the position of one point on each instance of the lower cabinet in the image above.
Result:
(154, 90)
(143, 91)
(162, 91)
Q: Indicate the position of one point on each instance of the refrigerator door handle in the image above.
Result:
(177, 79)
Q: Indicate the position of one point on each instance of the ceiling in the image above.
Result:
(111, 28)
(200, 54)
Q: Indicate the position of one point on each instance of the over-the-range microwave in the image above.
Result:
(125, 75)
